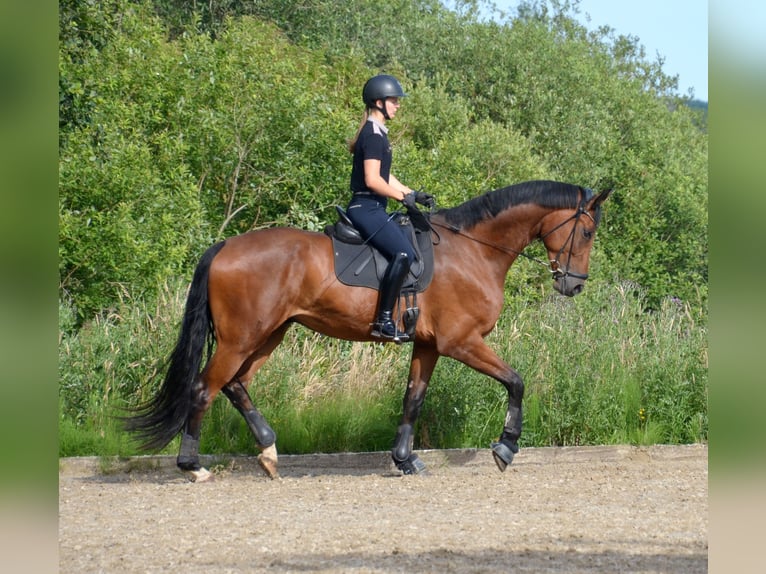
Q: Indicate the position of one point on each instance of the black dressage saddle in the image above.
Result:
(359, 264)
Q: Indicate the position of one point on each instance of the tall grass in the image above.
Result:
(599, 369)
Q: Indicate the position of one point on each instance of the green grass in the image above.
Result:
(598, 368)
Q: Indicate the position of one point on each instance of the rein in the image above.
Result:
(553, 266)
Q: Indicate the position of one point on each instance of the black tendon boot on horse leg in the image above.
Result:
(404, 459)
(504, 450)
(390, 286)
(188, 454)
(264, 435)
(420, 372)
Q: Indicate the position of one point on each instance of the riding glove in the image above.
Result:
(425, 199)
(409, 200)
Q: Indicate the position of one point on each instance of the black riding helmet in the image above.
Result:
(379, 88)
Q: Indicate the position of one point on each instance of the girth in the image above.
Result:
(359, 264)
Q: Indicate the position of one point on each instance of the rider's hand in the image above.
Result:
(409, 200)
(425, 199)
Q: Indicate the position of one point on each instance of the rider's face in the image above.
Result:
(392, 105)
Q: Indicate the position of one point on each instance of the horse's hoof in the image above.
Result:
(413, 465)
(268, 461)
(200, 475)
(502, 454)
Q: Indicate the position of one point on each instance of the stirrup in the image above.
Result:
(388, 330)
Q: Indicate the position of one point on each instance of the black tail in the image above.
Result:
(160, 419)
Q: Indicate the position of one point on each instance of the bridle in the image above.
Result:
(554, 265)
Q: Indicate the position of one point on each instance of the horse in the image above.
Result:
(247, 291)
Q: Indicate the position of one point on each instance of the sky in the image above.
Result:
(677, 30)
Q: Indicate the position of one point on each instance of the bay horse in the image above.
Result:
(248, 289)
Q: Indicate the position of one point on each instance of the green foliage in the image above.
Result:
(341, 423)
(169, 143)
(129, 211)
(187, 142)
(85, 28)
(270, 136)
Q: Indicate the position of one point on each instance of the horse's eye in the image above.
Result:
(587, 234)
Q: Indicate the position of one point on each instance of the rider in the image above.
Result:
(372, 183)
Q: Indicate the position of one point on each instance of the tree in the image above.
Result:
(182, 129)
(129, 209)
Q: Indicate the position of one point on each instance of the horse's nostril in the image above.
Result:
(578, 289)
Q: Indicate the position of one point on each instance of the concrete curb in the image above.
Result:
(367, 462)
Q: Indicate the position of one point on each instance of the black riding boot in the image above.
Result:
(390, 287)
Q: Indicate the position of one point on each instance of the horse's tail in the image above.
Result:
(160, 419)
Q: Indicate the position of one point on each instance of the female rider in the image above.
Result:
(372, 183)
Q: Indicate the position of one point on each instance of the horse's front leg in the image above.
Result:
(421, 368)
(477, 355)
(504, 449)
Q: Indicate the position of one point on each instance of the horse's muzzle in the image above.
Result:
(569, 285)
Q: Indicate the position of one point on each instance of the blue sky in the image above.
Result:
(677, 30)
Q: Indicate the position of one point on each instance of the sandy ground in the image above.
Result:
(581, 509)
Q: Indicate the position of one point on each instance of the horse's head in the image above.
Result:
(568, 238)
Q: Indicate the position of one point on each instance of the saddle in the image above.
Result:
(358, 264)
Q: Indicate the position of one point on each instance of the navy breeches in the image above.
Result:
(376, 226)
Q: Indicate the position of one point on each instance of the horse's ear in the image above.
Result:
(600, 198)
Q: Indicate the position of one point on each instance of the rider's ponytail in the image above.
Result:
(352, 142)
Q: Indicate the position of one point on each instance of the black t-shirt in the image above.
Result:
(371, 144)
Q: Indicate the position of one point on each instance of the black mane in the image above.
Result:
(553, 194)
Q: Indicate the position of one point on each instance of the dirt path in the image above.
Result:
(585, 509)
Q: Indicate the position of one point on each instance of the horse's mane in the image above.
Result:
(552, 194)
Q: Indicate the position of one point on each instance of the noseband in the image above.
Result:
(554, 266)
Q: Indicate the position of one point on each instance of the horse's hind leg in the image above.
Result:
(227, 366)
(264, 435)
(222, 368)
(236, 392)
(188, 454)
